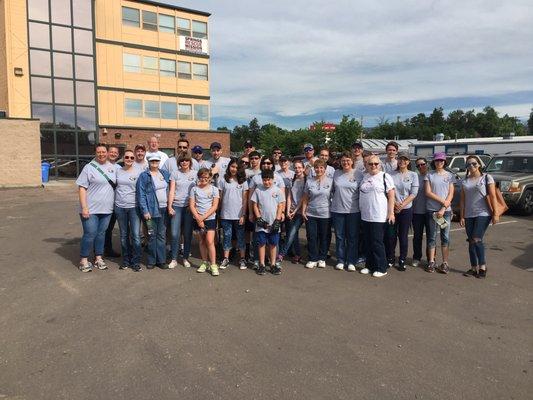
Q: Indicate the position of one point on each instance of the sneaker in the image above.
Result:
(173, 264)
(296, 259)
(261, 270)
(202, 267)
(275, 269)
(186, 263)
(256, 265)
(351, 268)
(430, 267)
(321, 264)
(311, 264)
(150, 266)
(100, 264)
(360, 260)
(136, 268)
(415, 263)
(85, 267)
(444, 268)
(339, 266)
(242, 264)
(364, 271)
(224, 264)
(390, 263)
(124, 267)
(163, 266)
(377, 274)
(214, 270)
(401, 265)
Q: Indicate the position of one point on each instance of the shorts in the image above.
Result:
(264, 238)
(210, 225)
(249, 226)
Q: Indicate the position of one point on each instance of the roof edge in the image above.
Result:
(173, 7)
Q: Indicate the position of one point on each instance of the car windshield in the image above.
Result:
(511, 164)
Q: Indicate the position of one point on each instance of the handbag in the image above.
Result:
(499, 207)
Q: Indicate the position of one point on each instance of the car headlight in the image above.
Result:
(505, 185)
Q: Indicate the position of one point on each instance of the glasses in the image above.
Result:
(421, 165)
(254, 158)
(204, 178)
(373, 164)
(183, 147)
(472, 164)
(129, 158)
(267, 163)
(245, 162)
(277, 152)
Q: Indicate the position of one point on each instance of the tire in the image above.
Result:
(526, 202)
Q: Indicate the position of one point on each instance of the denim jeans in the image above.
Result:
(108, 244)
(180, 223)
(94, 229)
(346, 227)
(291, 239)
(375, 249)
(157, 241)
(129, 223)
(401, 231)
(434, 229)
(230, 227)
(420, 222)
(317, 238)
(475, 230)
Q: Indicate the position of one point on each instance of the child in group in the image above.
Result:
(203, 202)
(268, 203)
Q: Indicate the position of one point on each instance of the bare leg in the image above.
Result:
(445, 253)
(210, 244)
(261, 250)
(203, 249)
(431, 254)
(272, 254)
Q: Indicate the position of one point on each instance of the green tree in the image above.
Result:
(346, 132)
(530, 123)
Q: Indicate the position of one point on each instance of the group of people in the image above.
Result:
(255, 205)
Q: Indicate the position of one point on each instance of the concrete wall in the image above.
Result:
(21, 154)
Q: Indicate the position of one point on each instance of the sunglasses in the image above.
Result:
(245, 162)
(129, 158)
(421, 165)
(373, 164)
(472, 164)
(267, 163)
(277, 152)
(183, 147)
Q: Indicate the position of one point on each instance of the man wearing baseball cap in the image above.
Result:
(217, 163)
(309, 153)
(198, 158)
(248, 147)
(357, 152)
(140, 157)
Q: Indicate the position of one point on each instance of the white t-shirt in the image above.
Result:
(162, 154)
(475, 190)
(372, 198)
(231, 197)
(268, 200)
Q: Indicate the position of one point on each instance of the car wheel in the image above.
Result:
(526, 204)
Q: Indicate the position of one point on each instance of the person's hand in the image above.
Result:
(495, 219)
(85, 212)
(290, 215)
(391, 219)
(282, 217)
(242, 220)
(201, 223)
(171, 211)
(397, 207)
(440, 213)
(446, 203)
(462, 222)
(147, 216)
(304, 216)
(251, 218)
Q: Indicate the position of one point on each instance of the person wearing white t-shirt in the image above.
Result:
(140, 157)
(217, 163)
(153, 149)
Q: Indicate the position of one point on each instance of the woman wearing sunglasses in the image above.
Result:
(420, 221)
(476, 214)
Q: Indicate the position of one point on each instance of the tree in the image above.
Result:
(530, 123)
(346, 132)
(255, 130)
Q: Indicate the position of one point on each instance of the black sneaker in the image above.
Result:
(261, 270)
(275, 269)
(150, 266)
(401, 265)
(163, 265)
(136, 268)
(124, 267)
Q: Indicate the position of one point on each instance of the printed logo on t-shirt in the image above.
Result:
(190, 178)
(239, 186)
(133, 178)
(407, 179)
(275, 195)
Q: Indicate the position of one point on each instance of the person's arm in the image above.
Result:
(242, 218)
(141, 193)
(251, 216)
(82, 192)
(462, 208)
(279, 211)
(171, 195)
(491, 188)
(213, 208)
(305, 202)
(288, 204)
(256, 211)
(449, 198)
(390, 206)
(192, 207)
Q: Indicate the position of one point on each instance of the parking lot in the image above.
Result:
(307, 334)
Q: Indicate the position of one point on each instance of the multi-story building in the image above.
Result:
(113, 71)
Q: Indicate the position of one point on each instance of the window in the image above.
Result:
(84, 67)
(63, 91)
(61, 11)
(38, 9)
(185, 111)
(62, 65)
(200, 71)
(199, 29)
(39, 35)
(47, 142)
(201, 112)
(61, 38)
(168, 110)
(40, 62)
(82, 13)
(133, 108)
(151, 109)
(85, 93)
(167, 67)
(184, 27)
(184, 70)
(64, 117)
(41, 89)
(86, 118)
(150, 65)
(83, 41)
(167, 23)
(132, 62)
(44, 112)
(149, 20)
(130, 17)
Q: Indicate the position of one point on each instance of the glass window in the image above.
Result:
(66, 167)
(133, 108)
(150, 65)
(84, 67)
(62, 65)
(184, 70)
(167, 23)
(40, 62)
(184, 27)
(167, 67)
(39, 35)
(86, 118)
(82, 13)
(41, 89)
(200, 71)
(85, 93)
(199, 29)
(64, 117)
(47, 142)
(132, 62)
(201, 112)
(130, 16)
(38, 9)
(63, 91)
(149, 20)
(86, 142)
(61, 12)
(185, 111)
(66, 142)
(168, 110)
(61, 38)
(83, 41)
(44, 112)
(151, 109)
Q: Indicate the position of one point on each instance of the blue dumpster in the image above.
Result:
(45, 171)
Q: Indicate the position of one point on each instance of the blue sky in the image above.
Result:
(292, 63)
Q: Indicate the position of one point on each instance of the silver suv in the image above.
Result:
(457, 163)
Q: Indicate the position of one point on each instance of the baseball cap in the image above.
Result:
(357, 143)
(154, 157)
(439, 156)
(403, 155)
(197, 149)
(248, 143)
(140, 146)
(308, 147)
(215, 144)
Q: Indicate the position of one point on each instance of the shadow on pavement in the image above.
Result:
(524, 261)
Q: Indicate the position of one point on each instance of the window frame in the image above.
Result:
(151, 114)
(129, 113)
(183, 75)
(200, 77)
(167, 72)
(150, 26)
(130, 22)
(179, 30)
(207, 112)
(185, 117)
(199, 34)
(174, 116)
(135, 69)
(166, 28)
(147, 70)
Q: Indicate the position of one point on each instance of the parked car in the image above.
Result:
(457, 162)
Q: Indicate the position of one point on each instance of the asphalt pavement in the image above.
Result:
(307, 334)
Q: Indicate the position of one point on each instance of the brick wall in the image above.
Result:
(20, 153)
(167, 139)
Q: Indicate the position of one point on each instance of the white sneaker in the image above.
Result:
(378, 274)
(321, 264)
(339, 266)
(186, 263)
(311, 264)
(173, 264)
(351, 268)
(365, 271)
(415, 263)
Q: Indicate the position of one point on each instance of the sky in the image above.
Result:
(293, 63)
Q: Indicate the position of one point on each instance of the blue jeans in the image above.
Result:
(375, 250)
(129, 223)
(230, 226)
(180, 223)
(475, 230)
(434, 229)
(94, 229)
(157, 241)
(346, 227)
(317, 238)
(420, 222)
(291, 239)
(399, 232)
